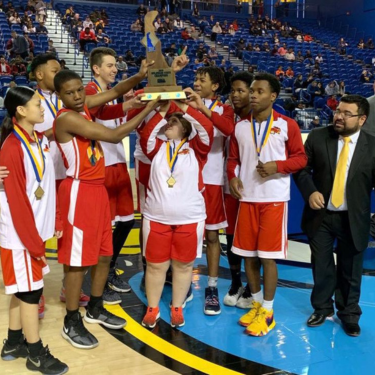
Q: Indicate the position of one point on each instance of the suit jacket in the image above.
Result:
(369, 125)
(321, 149)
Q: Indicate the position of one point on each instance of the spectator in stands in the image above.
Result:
(282, 50)
(14, 18)
(290, 56)
(241, 46)
(136, 26)
(289, 72)
(308, 38)
(121, 65)
(102, 37)
(212, 54)
(235, 25)
(313, 90)
(299, 57)
(274, 51)
(168, 25)
(31, 43)
(195, 11)
(68, 16)
(341, 88)
(4, 67)
(250, 69)
(341, 46)
(361, 44)
(185, 35)
(141, 11)
(276, 39)
(157, 23)
(203, 24)
(370, 44)
(365, 76)
(86, 36)
(163, 13)
(17, 45)
(179, 24)
(129, 58)
(51, 49)
(41, 29)
(63, 65)
(257, 47)
(162, 29)
(194, 33)
(231, 30)
(299, 38)
(280, 74)
(99, 25)
(87, 22)
(332, 88)
(298, 84)
(201, 51)
(315, 123)
(308, 54)
(319, 58)
(249, 47)
(40, 8)
(266, 47)
(28, 28)
(308, 81)
(216, 30)
(18, 68)
(315, 70)
(332, 102)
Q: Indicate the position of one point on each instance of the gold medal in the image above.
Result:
(171, 181)
(39, 193)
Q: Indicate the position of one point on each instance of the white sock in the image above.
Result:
(258, 297)
(212, 281)
(268, 305)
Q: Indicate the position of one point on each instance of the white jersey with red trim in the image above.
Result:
(284, 146)
(33, 213)
(49, 117)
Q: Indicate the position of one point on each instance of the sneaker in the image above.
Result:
(177, 317)
(100, 315)
(189, 297)
(11, 352)
(262, 323)
(116, 283)
(151, 318)
(211, 303)
(110, 297)
(245, 301)
(233, 295)
(46, 363)
(76, 333)
(41, 306)
(83, 298)
(247, 319)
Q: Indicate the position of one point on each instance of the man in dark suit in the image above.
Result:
(336, 185)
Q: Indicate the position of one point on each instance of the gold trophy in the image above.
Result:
(161, 78)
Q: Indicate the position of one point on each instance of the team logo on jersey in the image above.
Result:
(275, 130)
(94, 152)
(185, 151)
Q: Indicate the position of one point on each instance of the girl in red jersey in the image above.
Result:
(174, 212)
(27, 220)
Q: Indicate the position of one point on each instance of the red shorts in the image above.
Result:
(21, 272)
(261, 230)
(142, 175)
(86, 217)
(162, 242)
(231, 210)
(214, 200)
(119, 188)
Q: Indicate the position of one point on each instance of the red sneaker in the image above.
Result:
(177, 317)
(151, 318)
(83, 299)
(41, 307)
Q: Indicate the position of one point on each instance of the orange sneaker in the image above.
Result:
(177, 317)
(41, 307)
(151, 318)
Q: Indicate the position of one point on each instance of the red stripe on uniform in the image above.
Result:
(27, 270)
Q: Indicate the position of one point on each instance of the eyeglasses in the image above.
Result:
(345, 115)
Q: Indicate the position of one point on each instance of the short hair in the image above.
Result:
(361, 102)
(215, 73)
(41, 60)
(188, 128)
(97, 54)
(245, 77)
(64, 76)
(271, 79)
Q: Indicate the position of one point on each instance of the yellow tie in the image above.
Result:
(339, 183)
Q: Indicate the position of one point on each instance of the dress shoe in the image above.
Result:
(317, 320)
(351, 329)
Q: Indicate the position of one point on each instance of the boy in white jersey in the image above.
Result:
(208, 82)
(117, 179)
(263, 153)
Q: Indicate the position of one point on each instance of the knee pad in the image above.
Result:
(32, 298)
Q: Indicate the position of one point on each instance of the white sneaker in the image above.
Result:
(245, 300)
(233, 295)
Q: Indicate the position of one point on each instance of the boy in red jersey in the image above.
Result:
(84, 200)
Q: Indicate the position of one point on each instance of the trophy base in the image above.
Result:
(166, 93)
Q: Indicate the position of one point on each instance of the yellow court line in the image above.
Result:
(164, 347)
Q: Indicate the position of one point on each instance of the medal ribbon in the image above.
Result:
(213, 105)
(266, 133)
(38, 169)
(172, 154)
(99, 89)
(53, 107)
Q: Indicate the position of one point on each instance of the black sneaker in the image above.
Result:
(76, 333)
(110, 297)
(11, 352)
(116, 283)
(46, 363)
(100, 315)
(189, 297)
(211, 303)
(168, 277)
